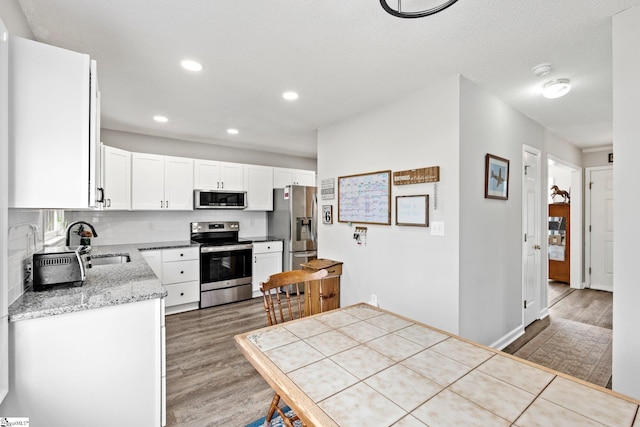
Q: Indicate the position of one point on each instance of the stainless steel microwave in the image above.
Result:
(219, 199)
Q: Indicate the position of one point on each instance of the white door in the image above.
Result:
(178, 183)
(258, 182)
(531, 288)
(206, 175)
(307, 178)
(232, 175)
(601, 225)
(282, 177)
(147, 181)
(117, 178)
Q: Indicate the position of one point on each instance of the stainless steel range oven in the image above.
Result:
(225, 263)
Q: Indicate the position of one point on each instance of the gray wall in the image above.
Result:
(199, 150)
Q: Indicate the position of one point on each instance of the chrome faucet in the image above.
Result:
(68, 230)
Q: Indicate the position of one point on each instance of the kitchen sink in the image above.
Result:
(110, 259)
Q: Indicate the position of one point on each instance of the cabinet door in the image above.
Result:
(232, 176)
(206, 175)
(258, 181)
(264, 265)
(282, 177)
(304, 177)
(178, 183)
(147, 181)
(116, 178)
(50, 149)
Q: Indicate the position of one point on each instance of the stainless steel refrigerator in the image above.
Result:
(294, 219)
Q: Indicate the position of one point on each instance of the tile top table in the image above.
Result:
(364, 366)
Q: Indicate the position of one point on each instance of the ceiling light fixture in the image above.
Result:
(556, 88)
(232, 131)
(191, 65)
(398, 12)
(290, 96)
(160, 119)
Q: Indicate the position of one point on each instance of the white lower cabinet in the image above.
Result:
(89, 367)
(267, 260)
(179, 271)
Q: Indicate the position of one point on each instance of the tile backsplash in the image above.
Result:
(125, 227)
(25, 236)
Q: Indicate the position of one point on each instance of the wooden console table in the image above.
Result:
(322, 295)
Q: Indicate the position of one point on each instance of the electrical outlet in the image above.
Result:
(151, 226)
(374, 299)
(27, 272)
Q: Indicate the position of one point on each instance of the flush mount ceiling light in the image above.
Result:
(191, 65)
(556, 88)
(436, 6)
(290, 96)
(160, 119)
(232, 131)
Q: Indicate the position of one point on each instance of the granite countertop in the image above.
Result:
(166, 245)
(105, 285)
(258, 239)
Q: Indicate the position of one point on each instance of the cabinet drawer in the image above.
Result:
(180, 254)
(266, 247)
(182, 293)
(180, 271)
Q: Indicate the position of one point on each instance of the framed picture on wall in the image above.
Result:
(496, 177)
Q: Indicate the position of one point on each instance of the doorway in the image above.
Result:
(564, 230)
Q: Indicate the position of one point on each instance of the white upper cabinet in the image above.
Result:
(283, 177)
(116, 178)
(161, 182)
(212, 175)
(54, 127)
(258, 182)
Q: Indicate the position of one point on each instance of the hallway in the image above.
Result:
(585, 306)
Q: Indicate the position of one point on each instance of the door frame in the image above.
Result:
(576, 221)
(587, 215)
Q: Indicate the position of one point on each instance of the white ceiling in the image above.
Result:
(343, 57)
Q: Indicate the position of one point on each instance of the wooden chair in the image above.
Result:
(279, 309)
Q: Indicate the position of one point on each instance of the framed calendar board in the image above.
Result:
(365, 198)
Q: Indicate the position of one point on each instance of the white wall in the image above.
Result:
(412, 272)
(592, 157)
(14, 19)
(626, 134)
(199, 150)
(491, 230)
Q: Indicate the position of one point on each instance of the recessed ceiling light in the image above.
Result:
(232, 131)
(556, 88)
(190, 65)
(290, 96)
(160, 119)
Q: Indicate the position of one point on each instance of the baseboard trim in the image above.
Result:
(600, 288)
(544, 312)
(508, 338)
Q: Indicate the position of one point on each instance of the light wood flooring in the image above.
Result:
(210, 383)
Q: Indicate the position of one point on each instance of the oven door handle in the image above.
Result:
(225, 248)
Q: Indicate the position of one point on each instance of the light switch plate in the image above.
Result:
(437, 228)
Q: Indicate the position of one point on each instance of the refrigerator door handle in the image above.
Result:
(304, 254)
